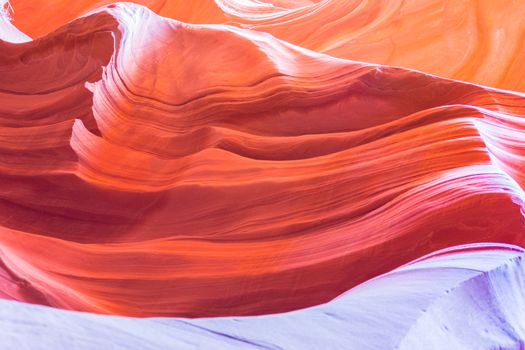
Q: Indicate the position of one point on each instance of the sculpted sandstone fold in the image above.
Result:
(423, 305)
(470, 40)
(234, 184)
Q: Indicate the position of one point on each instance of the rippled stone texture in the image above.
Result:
(133, 169)
(471, 40)
(153, 167)
(423, 305)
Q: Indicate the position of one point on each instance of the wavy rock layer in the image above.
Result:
(476, 41)
(423, 305)
(149, 169)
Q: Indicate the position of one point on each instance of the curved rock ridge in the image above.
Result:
(142, 156)
(470, 40)
(423, 305)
